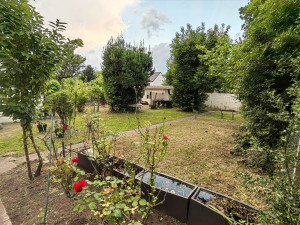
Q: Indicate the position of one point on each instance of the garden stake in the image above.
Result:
(221, 114)
(232, 117)
(63, 149)
(48, 179)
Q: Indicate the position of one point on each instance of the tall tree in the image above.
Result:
(72, 63)
(29, 54)
(188, 65)
(88, 74)
(126, 71)
(265, 64)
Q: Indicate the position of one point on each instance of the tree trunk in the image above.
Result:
(296, 173)
(39, 168)
(26, 153)
(54, 150)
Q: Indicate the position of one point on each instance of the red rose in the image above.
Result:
(78, 186)
(75, 160)
(165, 137)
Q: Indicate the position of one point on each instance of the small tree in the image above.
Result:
(126, 71)
(62, 102)
(28, 55)
(189, 65)
(95, 91)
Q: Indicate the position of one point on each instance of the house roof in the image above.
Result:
(159, 87)
(154, 76)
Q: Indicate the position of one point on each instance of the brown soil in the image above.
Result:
(24, 201)
(233, 209)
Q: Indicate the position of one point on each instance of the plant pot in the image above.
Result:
(59, 134)
(200, 213)
(173, 194)
(87, 162)
(121, 166)
(42, 127)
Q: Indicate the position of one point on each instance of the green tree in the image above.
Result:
(126, 71)
(28, 56)
(266, 64)
(95, 91)
(88, 74)
(78, 91)
(188, 66)
(62, 102)
(72, 63)
(265, 74)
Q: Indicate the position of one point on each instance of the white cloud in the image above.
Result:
(153, 20)
(160, 54)
(94, 21)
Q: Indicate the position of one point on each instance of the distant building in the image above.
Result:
(156, 92)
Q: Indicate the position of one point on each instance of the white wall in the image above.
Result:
(158, 81)
(223, 101)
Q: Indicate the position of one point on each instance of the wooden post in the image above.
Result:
(63, 149)
(221, 114)
(232, 115)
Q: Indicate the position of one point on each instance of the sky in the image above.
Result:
(154, 22)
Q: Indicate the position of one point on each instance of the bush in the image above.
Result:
(62, 103)
(82, 99)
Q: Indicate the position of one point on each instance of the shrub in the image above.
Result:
(62, 103)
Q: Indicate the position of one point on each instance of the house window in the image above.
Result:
(149, 94)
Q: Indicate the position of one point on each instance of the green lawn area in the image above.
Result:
(11, 135)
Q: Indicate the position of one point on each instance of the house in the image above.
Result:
(156, 92)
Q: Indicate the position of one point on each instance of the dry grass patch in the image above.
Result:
(199, 152)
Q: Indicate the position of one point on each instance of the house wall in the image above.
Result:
(156, 95)
(158, 81)
(223, 101)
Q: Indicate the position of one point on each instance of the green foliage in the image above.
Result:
(82, 99)
(53, 86)
(62, 172)
(193, 53)
(88, 74)
(72, 63)
(266, 64)
(265, 75)
(62, 102)
(28, 55)
(95, 90)
(114, 201)
(110, 202)
(78, 89)
(126, 71)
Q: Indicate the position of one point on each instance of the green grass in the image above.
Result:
(11, 135)
(226, 116)
(199, 152)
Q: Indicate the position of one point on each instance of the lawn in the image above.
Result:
(11, 136)
(199, 152)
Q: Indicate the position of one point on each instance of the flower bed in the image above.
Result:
(173, 194)
(122, 168)
(208, 208)
(86, 161)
